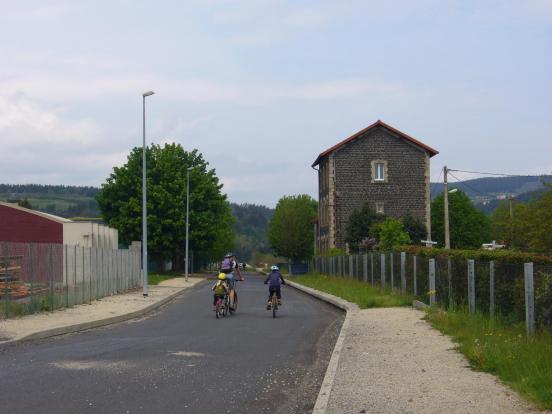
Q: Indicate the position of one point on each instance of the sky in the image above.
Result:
(261, 87)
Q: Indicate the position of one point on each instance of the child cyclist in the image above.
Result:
(220, 289)
(274, 279)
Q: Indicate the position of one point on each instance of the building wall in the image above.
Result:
(404, 190)
(25, 227)
(77, 234)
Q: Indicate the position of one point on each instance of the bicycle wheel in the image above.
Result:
(274, 305)
(235, 307)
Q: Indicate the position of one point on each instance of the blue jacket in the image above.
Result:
(273, 279)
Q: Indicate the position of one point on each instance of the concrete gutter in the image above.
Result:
(323, 398)
(97, 323)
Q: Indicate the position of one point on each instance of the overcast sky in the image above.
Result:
(262, 87)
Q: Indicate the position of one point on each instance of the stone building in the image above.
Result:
(379, 165)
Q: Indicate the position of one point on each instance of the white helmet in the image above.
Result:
(274, 268)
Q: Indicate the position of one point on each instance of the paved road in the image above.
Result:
(180, 359)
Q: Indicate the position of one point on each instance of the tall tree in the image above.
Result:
(360, 224)
(415, 228)
(120, 203)
(290, 230)
(469, 227)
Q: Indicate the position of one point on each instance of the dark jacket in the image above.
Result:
(274, 278)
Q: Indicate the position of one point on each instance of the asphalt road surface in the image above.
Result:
(181, 359)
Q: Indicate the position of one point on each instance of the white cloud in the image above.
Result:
(41, 145)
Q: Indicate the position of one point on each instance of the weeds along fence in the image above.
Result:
(514, 292)
(44, 277)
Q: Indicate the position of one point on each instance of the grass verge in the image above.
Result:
(156, 278)
(361, 293)
(525, 364)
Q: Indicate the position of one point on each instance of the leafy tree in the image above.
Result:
(537, 222)
(469, 227)
(120, 203)
(360, 224)
(391, 234)
(290, 230)
(415, 228)
(528, 226)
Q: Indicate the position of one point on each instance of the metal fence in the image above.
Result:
(514, 292)
(44, 277)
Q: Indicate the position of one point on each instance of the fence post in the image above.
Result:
(66, 254)
(529, 299)
(491, 288)
(414, 274)
(449, 273)
(372, 268)
(392, 271)
(351, 265)
(403, 272)
(365, 267)
(431, 282)
(471, 285)
(383, 270)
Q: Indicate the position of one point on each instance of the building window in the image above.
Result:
(379, 171)
(380, 207)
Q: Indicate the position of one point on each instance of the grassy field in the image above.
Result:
(523, 363)
(361, 293)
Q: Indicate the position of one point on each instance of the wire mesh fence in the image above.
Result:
(45, 277)
(513, 292)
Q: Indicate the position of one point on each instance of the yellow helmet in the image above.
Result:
(222, 276)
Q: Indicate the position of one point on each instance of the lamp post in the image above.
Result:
(446, 208)
(144, 205)
(187, 217)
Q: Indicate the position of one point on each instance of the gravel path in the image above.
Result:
(393, 362)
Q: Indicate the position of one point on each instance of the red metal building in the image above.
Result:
(20, 225)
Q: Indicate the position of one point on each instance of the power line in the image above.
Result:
(498, 174)
(468, 186)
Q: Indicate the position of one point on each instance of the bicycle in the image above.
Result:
(234, 308)
(274, 304)
(220, 307)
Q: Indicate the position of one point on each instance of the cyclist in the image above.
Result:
(220, 289)
(227, 267)
(273, 280)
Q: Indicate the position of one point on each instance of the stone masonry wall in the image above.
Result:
(404, 191)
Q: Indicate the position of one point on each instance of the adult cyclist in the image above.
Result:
(229, 266)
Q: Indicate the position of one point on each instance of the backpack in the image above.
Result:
(227, 265)
(220, 288)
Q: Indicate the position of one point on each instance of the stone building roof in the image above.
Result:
(378, 123)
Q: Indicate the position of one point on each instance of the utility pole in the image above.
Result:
(315, 238)
(187, 219)
(445, 196)
(510, 200)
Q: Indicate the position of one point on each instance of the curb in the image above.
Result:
(321, 405)
(416, 304)
(98, 323)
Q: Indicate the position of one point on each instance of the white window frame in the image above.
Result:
(380, 207)
(379, 166)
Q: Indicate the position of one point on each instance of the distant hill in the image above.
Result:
(487, 192)
(63, 201)
(251, 229)
(74, 201)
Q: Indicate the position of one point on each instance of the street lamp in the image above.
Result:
(187, 217)
(144, 205)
